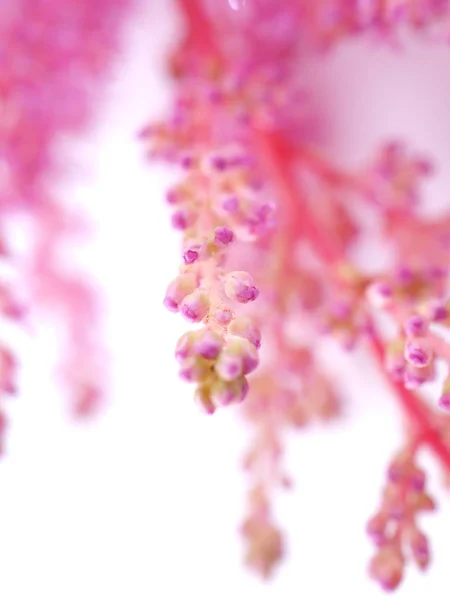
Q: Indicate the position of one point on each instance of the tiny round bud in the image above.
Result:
(223, 235)
(183, 349)
(239, 286)
(223, 316)
(418, 352)
(244, 327)
(239, 357)
(420, 549)
(194, 369)
(229, 392)
(386, 567)
(178, 289)
(182, 219)
(436, 311)
(230, 204)
(190, 256)
(195, 306)
(208, 344)
(414, 377)
(376, 529)
(416, 326)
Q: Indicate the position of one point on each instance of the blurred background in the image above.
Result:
(145, 501)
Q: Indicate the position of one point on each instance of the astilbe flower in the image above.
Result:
(54, 57)
(266, 218)
(268, 228)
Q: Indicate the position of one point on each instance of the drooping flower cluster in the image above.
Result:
(268, 226)
(53, 57)
(241, 133)
(394, 528)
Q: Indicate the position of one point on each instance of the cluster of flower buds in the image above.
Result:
(264, 540)
(235, 137)
(393, 528)
(218, 203)
(415, 300)
(218, 357)
(393, 180)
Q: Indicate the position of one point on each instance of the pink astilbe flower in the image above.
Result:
(266, 218)
(268, 226)
(54, 57)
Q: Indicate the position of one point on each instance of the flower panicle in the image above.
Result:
(393, 529)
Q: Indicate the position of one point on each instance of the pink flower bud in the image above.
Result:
(244, 327)
(420, 549)
(417, 479)
(418, 352)
(239, 286)
(191, 255)
(376, 529)
(416, 326)
(223, 235)
(195, 306)
(178, 289)
(436, 311)
(386, 567)
(230, 204)
(194, 369)
(229, 392)
(182, 219)
(208, 344)
(414, 377)
(184, 345)
(223, 316)
(239, 357)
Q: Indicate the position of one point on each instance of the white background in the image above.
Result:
(144, 502)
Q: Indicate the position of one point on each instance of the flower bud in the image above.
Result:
(183, 349)
(223, 316)
(244, 327)
(208, 344)
(386, 567)
(420, 548)
(195, 306)
(182, 219)
(229, 392)
(178, 289)
(239, 357)
(414, 377)
(416, 326)
(194, 369)
(418, 352)
(239, 286)
(191, 255)
(224, 236)
(376, 529)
